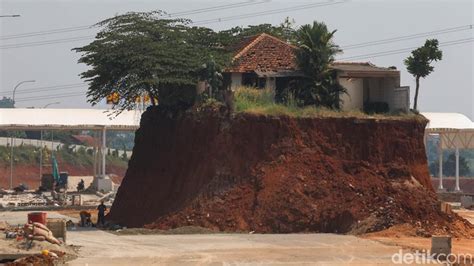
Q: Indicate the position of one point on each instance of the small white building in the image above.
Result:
(264, 61)
(366, 83)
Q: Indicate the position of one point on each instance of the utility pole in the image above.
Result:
(12, 138)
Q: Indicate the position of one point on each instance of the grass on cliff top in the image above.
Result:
(261, 101)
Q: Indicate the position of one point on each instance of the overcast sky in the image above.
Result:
(448, 89)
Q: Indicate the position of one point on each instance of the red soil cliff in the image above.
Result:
(278, 174)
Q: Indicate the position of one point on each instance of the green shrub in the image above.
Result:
(261, 101)
(376, 107)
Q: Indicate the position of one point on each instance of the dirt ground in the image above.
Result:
(102, 248)
(405, 236)
(198, 246)
(192, 246)
(466, 214)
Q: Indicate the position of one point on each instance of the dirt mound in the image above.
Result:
(40, 260)
(278, 174)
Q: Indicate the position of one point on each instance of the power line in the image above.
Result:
(76, 85)
(408, 37)
(46, 42)
(61, 85)
(367, 44)
(378, 54)
(403, 50)
(46, 97)
(269, 12)
(88, 27)
(217, 8)
(45, 32)
(49, 88)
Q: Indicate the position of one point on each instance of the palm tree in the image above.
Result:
(315, 54)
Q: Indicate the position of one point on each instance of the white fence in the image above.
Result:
(17, 142)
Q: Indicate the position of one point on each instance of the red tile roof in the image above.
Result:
(267, 54)
(263, 53)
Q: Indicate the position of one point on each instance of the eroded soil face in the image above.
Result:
(279, 175)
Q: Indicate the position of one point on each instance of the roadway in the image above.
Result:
(104, 248)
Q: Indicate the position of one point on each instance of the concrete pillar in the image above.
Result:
(441, 247)
(96, 153)
(457, 171)
(104, 151)
(440, 155)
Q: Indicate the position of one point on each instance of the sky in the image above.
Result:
(54, 67)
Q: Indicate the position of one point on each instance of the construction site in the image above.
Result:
(247, 177)
(236, 133)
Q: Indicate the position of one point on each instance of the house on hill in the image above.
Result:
(264, 61)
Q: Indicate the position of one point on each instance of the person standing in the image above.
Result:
(100, 216)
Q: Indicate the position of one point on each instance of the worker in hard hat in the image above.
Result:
(100, 216)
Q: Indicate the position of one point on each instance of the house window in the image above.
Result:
(249, 79)
(261, 83)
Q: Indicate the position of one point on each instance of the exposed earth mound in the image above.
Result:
(279, 174)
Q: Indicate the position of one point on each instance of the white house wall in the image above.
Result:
(389, 85)
(377, 92)
(270, 83)
(401, 99)
(354, 99)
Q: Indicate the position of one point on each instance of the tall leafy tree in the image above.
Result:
(419, 63)
(143, 53)
(316, 51)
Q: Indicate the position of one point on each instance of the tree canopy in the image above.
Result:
(419, 63)
(139, 54)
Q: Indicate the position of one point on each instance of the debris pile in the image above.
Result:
(29, 200)
(22, 200)
(279, 175)
(39, 232)
(30, 231)
(47, 257)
